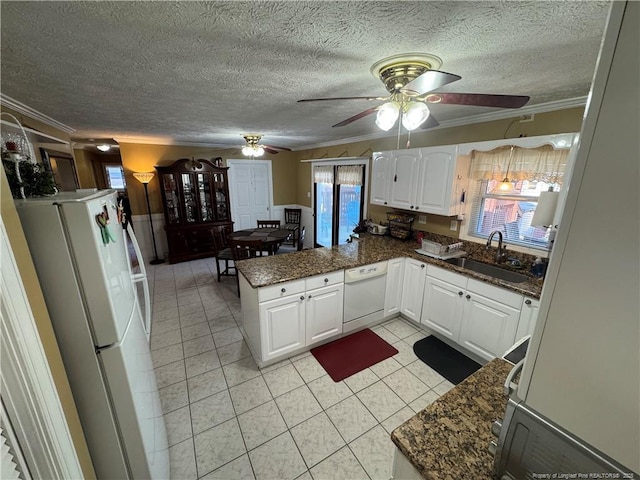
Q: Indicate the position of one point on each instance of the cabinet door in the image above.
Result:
(437, 169)
(221, 196)
(393, 293)
(324, 313)
(380, 178)
(528, 317)
(442, 307)
(205, 201)
(488, 326)
(404, 179)
(171, 198)
(413, 288)
(188, 187)
(282, 326)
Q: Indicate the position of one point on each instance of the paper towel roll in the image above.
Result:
(546, 209)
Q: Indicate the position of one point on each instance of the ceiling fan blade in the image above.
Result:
(478, 99)
(428, 81)
(276, 149)
(270, 150)
(356, 117)
(430, 122)
(341, 98)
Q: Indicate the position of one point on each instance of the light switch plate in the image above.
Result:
(454, 225)
(422, 219)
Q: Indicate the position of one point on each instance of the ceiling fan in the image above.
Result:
(411, 80)
(254, 149)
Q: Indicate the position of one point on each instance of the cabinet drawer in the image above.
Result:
(498, 294)
(454, 278)
(280, 290)
(325, 280)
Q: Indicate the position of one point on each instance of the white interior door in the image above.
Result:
(250, 191)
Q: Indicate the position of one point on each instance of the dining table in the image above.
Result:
(271, 237)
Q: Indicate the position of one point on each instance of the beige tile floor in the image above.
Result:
(227, 419)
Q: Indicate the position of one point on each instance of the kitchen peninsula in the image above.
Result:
(295, 301)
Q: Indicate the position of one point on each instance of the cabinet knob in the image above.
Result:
(411, 207)
(468, 297)
(422, 266)
(527, 302)
(301, 297)
(309, 297)
(326, 280)
(283, 290)
(385, 203)
(460, 293)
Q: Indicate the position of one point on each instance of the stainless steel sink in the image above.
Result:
(490, 270)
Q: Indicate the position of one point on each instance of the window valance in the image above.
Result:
(544, 164)
(349, 175)
(323, 174)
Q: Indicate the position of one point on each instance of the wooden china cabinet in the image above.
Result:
(195, 196)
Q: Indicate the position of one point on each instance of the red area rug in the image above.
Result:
(349, 355)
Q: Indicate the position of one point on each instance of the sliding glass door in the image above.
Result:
(339, 202)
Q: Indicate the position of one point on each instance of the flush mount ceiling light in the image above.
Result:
(104, 148)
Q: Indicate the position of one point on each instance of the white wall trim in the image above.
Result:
(34, 114)
(28, 389)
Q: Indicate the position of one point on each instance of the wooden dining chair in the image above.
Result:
(223, 252)
(268, 223)
(244, 249)
(292, 219)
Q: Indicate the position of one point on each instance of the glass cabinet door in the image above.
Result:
(204, 195)
(189, 193)
(220, 189)
(171, 197)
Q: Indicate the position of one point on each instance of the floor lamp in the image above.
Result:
(145, 178)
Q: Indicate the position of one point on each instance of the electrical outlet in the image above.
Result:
(308, 194)
(454, 225)
(527, 118)
(422, 219)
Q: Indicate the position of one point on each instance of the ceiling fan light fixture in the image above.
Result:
(387, 115)
(415, 115)
(252, 151)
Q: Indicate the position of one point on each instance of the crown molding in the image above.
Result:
(33, 113)
(482, 118)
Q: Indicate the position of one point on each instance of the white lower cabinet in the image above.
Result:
(393, 293)
(413, 288)
(282, 325)
(324, 313)
(478, 316)
(489, 319)
(443, 302)
(297, 314)
(528, 317)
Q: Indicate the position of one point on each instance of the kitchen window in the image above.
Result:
(531, 172)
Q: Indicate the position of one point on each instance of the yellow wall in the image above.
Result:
(43, 322)
(143, 158)
(562, 121)
(84, 168)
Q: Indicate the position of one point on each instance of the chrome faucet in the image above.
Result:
(500, 254)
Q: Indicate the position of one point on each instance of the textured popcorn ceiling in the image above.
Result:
(205, 72)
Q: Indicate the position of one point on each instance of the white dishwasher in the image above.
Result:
(364, 290)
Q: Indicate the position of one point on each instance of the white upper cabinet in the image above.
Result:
(404, 178)
(380, 172)
(429, 179)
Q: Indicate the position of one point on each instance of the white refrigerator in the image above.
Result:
(80, 254)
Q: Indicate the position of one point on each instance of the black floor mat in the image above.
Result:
(445, 360)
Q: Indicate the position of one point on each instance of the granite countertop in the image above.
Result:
(264, 271)
(450, 438)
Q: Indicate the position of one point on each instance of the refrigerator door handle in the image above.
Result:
(141, 277)
(509, 386)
